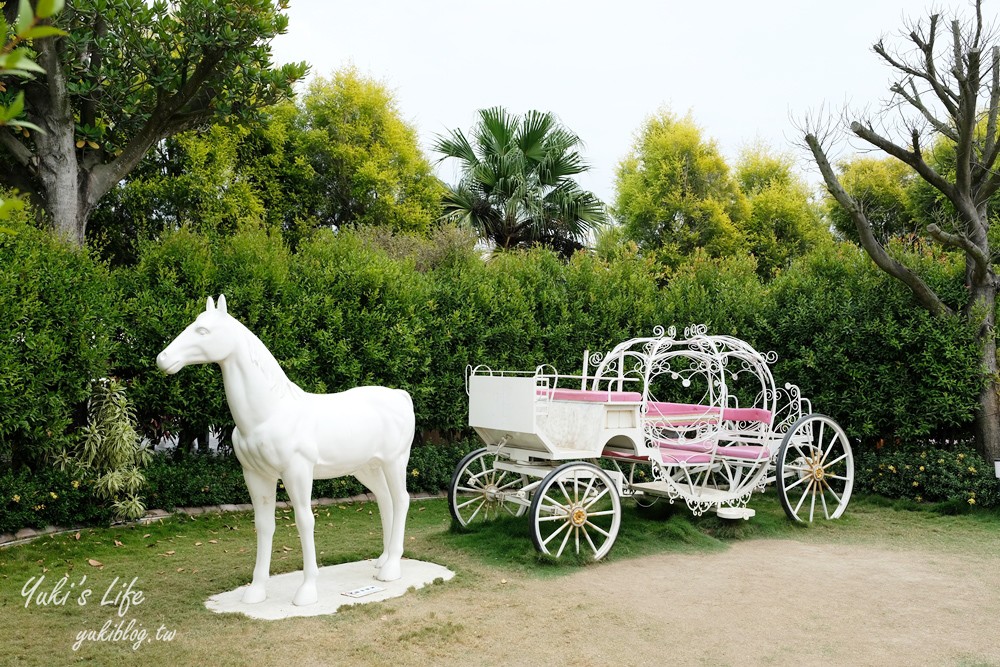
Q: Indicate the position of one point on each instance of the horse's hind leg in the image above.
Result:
(374, 479)
(262, 495)
(298, 482)
(395, 477)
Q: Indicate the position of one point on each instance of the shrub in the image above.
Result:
(111, 454)
(952, 473)
(194, 480)
(47, 497)
(57, 333)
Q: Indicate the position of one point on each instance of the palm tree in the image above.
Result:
(516, 188)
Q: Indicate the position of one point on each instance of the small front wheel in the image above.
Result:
(481, 493)
(815, 470)
(576, 508)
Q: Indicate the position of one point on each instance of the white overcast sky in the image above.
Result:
(743, 68)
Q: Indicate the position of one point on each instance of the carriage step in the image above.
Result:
(735, 513)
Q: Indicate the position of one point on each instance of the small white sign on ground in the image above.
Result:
(362, 592)
(339, 586)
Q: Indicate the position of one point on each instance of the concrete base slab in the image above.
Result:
(334, 581)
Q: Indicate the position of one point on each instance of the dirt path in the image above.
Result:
(762, 602)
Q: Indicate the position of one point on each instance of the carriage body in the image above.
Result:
(694, 418)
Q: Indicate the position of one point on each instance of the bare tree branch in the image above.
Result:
(912, 158)
(962, 242)
(915, 101)
(946, 95)
(924, 294)
(990, 142)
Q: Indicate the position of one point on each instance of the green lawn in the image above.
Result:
(178, 562)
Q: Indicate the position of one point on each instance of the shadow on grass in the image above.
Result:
(660, 528)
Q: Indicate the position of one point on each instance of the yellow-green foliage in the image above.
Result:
(675, 192)
(367, 158)
(882, 187)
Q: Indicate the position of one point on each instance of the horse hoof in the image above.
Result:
(381, 561)
(254, 594)
(306, 595)
(389, 572)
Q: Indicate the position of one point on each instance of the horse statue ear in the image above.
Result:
(222, 303)
(209, 304)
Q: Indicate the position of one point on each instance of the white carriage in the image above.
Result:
(696, 418)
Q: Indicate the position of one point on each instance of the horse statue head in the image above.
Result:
(209, 339)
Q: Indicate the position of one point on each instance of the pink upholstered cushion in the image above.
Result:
(681, 414)
(589, 396)
(689, 446)
(751, 452)
(747, 415)
(670, 456)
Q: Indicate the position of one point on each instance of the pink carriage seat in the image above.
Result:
(748, 452)
(686, 414)
(591, 396)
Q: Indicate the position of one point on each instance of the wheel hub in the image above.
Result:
(578, 516)
(491, 492)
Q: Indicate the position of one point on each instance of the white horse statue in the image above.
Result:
(284, 432)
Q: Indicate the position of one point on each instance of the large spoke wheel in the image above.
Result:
(815, 471)
(480, 493)
(576, 509)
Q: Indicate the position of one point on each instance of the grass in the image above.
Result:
(178, 562)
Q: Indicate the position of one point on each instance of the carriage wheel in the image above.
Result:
(478, 492)
(815, 471)
(576, 508)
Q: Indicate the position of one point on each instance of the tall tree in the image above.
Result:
(948, 86)
(341, 156)
(367, 159)
(674, 192)
(781, 222)
(516, 187)
(127, 74)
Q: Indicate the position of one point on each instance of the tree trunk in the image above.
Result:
(987, 423)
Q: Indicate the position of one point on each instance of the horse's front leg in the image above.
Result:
(298, 482)
(262, 495)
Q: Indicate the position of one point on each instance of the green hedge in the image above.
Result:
(341, 311)
(58, 330)
(861, 349)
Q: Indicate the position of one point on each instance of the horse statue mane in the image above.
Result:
(262, 358)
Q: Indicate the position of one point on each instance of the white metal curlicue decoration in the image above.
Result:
(284, 432)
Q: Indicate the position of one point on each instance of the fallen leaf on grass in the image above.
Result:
(213, 541)
(197, 544)
(147, 535)
(95, 563)
(77, 536)
(118, 544)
